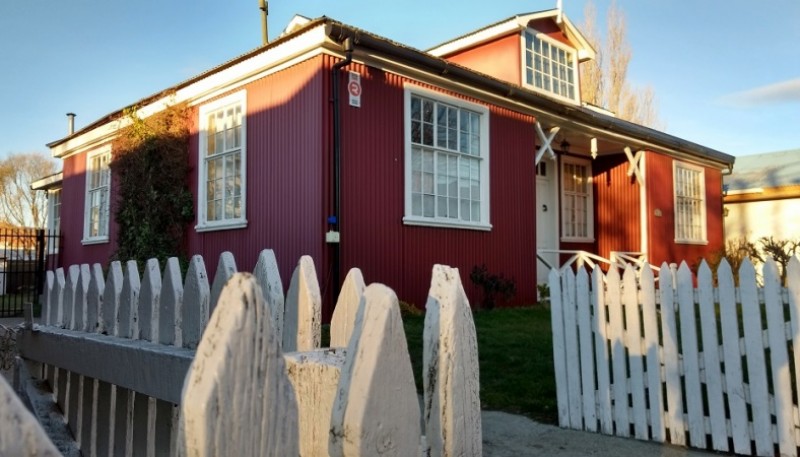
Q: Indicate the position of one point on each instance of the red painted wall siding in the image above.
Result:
(499, 58)
(373, 235)
(551, 29)
(660, 193)
(285, 175)
(617, 211)
(73, 195)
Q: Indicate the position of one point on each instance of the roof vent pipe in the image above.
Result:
(70, 123)
(263, 5)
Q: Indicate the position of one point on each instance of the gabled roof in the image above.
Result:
(515, 24)
(763, 171)
(330, 34)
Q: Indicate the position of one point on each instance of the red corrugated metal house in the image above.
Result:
(478, 151)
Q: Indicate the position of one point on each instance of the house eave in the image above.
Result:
(64, 146)
(541, 106)
(48, 182)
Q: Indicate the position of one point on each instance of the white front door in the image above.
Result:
(546, 217)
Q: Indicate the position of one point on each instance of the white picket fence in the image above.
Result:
(707, 367)
(128, 367)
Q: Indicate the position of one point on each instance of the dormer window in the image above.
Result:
(550, 66)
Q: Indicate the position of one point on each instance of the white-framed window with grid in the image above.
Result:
(690, 203)
(446, 161)
(98, 189)
(577, 200)
(54, 208)
(222, 159)
(53, 218)
(550, 66)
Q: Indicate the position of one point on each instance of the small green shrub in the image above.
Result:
(493, 286)
(408, 309)
(543, 290)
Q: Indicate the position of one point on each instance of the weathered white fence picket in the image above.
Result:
(161, 364)
(707, 367)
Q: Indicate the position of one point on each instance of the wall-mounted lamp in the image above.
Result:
(564, 146)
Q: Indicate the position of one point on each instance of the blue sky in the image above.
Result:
(726, 73)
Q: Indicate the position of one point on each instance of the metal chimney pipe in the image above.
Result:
(263, 5)
(70, 123)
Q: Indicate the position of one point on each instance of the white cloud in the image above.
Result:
(777, 93)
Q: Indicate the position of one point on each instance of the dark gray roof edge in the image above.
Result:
(339, 31)
(144, 101)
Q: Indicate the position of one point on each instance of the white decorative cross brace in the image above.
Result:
(635, 165)
(546, 141)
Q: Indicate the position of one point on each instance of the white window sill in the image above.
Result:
(221, 226)
(425, 222)
(90, 241)
(577, 240)
(554, 95)
(695, 242)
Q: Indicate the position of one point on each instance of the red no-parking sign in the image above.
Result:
(354, 89)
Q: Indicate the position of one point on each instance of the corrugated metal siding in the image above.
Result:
(284, 174)
(73, 194)
(374, 237)
(660, 193)
(617, 209)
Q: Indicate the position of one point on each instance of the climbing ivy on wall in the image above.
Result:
(150, 173)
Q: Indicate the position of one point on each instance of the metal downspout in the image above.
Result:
(334, 221)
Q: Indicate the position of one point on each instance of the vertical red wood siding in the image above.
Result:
(373, 235)
(660, 191)
(499, 58)
(617, 212)
(285, 174)
(73, 194)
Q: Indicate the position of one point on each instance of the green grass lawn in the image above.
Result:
(516, 360)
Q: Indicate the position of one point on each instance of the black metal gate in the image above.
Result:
(25, 256)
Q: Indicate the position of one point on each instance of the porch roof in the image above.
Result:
(763, 171)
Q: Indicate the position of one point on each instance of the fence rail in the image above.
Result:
(161, 364)
(711, 367)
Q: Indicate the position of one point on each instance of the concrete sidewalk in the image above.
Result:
(509, 435)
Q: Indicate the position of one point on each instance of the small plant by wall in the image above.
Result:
(150, 169)
(493, 286)
(736, 250)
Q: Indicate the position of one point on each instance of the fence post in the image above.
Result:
(376, 411)
(450, 369)
(303, 314)
(40, 266)
(344, 314)
(221, 393)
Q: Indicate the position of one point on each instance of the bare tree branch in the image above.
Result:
(604, 81)
(19, 205)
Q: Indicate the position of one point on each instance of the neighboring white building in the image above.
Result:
(763, 197)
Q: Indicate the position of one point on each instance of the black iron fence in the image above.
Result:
(25, 256)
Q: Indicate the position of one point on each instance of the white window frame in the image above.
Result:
(483, 157)
(703, 202)
(105, 208)
(53, 222)
(203, 224)
(564, 196)
(571, 53)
